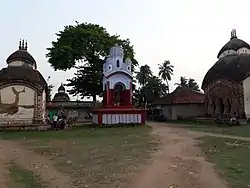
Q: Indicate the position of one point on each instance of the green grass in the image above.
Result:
(97, 157)
(240, 130)
(22, 178)
(231, 158)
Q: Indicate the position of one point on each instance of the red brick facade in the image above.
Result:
(224, 97)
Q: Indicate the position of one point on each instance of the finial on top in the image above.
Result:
(26, 45)
(23, 45)
(233, 34)
(20, 44)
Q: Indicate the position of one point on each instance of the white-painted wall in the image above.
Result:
(18, 63)
(233, 52)
(118, 77)
(246, 89)
(183, 110)
(24, 107)
(121, 118)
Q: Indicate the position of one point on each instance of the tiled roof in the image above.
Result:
(181, 95)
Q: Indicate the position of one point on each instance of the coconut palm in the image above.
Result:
(189, 83)
(166, 71)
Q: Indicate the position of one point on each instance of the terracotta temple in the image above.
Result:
(226, 83)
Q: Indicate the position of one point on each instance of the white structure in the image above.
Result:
(115, 70)
(246, 89)
(117, 87)
(117, 75)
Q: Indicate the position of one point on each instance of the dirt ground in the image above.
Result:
(177, 164)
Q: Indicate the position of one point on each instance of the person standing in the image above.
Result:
(55, 120)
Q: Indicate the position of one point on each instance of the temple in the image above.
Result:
(117, 87)
(61, 95)
(23, 89)
(227, 82)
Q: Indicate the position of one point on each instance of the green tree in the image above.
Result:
(84, 47)
(151, 87)
(190, 83)
(143, 76)
(166, 72)
(155, 89)
(50, 88)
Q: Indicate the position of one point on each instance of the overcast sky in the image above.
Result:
(188, 33)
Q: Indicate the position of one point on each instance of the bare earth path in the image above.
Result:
(178, 163)
(40, 165)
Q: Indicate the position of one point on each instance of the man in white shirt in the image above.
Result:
(55, 119)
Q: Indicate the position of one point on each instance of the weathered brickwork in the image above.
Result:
(224, 97)
(38, 103)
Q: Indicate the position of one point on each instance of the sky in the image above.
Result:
(187, 33)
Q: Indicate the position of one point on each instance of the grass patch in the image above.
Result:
(97, 157)
(231, 158)
(22, 178)
(240, 130)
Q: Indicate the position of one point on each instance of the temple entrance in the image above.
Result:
(220, 106)
(119, 89)
(228, 106)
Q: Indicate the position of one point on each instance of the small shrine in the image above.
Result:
(117, 86)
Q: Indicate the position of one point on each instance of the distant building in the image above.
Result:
(61, 95)
(181, 103)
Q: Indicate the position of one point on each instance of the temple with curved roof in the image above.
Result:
(23, 89)
(223, 84)
(61, 95)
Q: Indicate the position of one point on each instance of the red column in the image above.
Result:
(107, 94)
(131, 93)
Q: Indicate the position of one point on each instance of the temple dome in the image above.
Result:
(61, 88)
(233, 45)
(61, 95)
(22, 55)
(233, 66)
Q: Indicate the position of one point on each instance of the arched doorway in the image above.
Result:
(119, 88)
(220, 106)
(229, 107)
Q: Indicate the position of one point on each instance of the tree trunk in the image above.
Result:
(94, 99)
(168, 87)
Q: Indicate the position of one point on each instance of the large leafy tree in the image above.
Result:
(166, 71)
(84, 46)
(151, 87)
(190, 83)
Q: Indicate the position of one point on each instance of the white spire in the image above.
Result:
(116, 51)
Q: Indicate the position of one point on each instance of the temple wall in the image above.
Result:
(224, 97)
(246, 89)
(17, 104)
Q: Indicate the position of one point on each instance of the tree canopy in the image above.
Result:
(190, 83)
(166, 71)
(150, 87)
(84, 47)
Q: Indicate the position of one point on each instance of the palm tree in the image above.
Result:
(189, 83)
(166, 71)
(183, 82)
(192, 84)
(143, 75)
